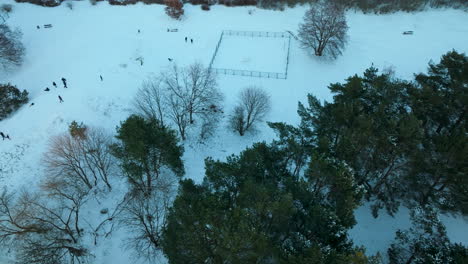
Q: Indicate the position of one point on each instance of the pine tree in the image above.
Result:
(440, 101)
(147, 150)
(426, 242)
(11, 99)
(252, 209)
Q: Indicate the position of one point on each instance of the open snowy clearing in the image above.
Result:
(89, 41)
(263, 54)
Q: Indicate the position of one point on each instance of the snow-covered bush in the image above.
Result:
(11, 98)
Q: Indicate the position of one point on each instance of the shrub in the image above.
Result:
(48, 3)
(11, 48)
(205, 7)
(11, 98)
(70, 5)
(174, 8)
(198, 2)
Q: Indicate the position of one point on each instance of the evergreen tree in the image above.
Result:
(147, 151)
(368, 127)
(426, 242)
(403, 141)
(440, 101)
(11, 99)
(252, 209)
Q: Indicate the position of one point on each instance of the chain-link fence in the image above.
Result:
(259, 74)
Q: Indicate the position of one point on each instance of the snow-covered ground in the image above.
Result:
(89, 41)
(264, 54)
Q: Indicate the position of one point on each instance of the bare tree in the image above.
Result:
(149, 100)
(324, 29)
(11, 48)
(253, 106)
(176, 111)
(195, 86)
(145, 217)
(81, 159)
(189, 93)
(41, 232)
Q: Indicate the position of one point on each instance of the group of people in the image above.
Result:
(64, 81)
(186, 39)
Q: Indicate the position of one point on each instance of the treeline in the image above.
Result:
(367, 6)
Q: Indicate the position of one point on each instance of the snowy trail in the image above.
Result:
(89, 41)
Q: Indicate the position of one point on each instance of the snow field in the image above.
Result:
(89, 41)
(263, 54)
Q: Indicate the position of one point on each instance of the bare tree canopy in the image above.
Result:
(41, 231)
(254, 104)
(181, 96)
(149, 100)
(145, 217)
(324, 29)
(82, 158)
(11, 48)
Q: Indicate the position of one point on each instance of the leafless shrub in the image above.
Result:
(324, 29)
(11, 48)
(253, 106)
(174, 8)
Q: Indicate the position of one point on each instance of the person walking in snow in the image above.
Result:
(54, 84)
(64, 82)
(100, 76)
(31, 104)
(169, 59)
(191, 41)
(60, 99)
(3, 135)
(185, 39)
(47, 89)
